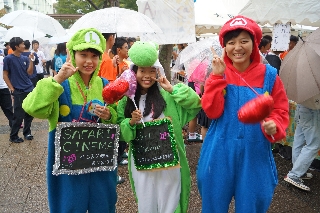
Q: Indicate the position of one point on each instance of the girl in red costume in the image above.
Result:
(236, 158)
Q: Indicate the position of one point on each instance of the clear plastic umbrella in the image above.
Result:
(22, 32)
(196, 59)
(122, 21)
(201, 48)
(34, 21)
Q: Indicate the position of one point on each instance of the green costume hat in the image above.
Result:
(143, 54)
(85, 39)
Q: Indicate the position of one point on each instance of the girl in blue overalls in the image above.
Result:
(236, 158)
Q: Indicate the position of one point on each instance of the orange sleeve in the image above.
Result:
(106, 68)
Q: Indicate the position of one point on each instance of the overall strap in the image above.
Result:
(104, 81)
(65, 99)
(269, 79)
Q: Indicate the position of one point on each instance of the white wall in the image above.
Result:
(43, 6)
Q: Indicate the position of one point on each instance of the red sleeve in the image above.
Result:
(213, 97)
(280, 113)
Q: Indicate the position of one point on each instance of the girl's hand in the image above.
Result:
(218, 64)
(102, 112)
(270, 127)
(163, 81)
(135, 117)
(66, 70)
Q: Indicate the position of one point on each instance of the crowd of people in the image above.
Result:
(236, 160)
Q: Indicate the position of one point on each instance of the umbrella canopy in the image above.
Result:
(299, 71)
(22, 32)
(275, 11)
(201, 48)
(197, 57)
(122, 21)
(35, 21)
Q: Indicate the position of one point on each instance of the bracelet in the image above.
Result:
(32, 59)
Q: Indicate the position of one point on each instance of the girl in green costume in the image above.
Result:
(63, 98)
(162, 190)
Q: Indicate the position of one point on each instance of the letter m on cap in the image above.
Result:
(238, 21)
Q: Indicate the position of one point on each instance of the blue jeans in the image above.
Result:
(306, 140)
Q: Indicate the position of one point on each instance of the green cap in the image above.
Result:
(143, 54)
(85, 39)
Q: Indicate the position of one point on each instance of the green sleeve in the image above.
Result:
(42, 102)
(114, 116)
(187, 102)
(127, 132)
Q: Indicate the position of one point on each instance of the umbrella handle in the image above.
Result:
(141, 118)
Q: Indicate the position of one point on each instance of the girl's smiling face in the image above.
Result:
(145, 76)
(239, 50)
(87, 61)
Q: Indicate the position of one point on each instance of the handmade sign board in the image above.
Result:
(155, 146)
(82, 147)
(281, 37)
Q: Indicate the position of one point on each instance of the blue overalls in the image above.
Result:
(236, 158)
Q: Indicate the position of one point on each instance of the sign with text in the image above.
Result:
(82, 147)
(154, 146)
(175, 18)
(281, 37)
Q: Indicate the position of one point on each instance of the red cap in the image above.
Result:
(241, 22)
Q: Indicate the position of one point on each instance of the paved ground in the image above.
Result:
(23, 185)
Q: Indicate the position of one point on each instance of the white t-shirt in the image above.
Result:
(41, 57)
(2, 82)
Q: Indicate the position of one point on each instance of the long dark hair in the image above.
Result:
(61, 49)
(154, 101)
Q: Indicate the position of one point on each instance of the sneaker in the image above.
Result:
(28, 137)
(120, 179)
(125, 155)
(194, 137)
(16, 140)
(123, 162)
(306, 176)
(297, 182)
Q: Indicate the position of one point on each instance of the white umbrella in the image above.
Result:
(35, 21)
(22, 32)
(60, 39)
(122, 21)
(283, 11)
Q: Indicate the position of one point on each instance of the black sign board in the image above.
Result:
(154, 146)
(85, 147)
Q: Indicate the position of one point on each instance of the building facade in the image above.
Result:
(43, 6)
